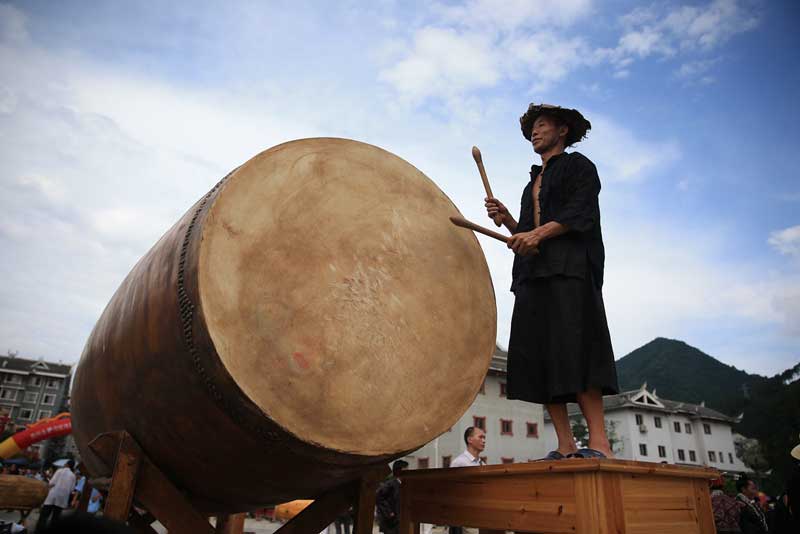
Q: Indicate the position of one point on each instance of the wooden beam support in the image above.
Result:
(152, 488)
(323, 511)
(230, 523)
(365, 506)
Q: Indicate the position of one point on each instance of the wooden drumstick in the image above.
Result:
(476, 154)
(469, 225)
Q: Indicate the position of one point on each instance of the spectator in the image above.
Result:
(475, 439)
(388, 500)
(725, 507)
(61, 486)
(751, 517)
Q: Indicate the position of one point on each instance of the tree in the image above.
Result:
(580, 432)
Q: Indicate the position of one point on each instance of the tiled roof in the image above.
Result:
(499, 360)
(13, 363)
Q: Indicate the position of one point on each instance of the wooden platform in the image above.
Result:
(567, 496)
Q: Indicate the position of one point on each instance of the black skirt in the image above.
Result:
(560, 345)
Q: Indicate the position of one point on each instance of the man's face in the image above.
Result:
(478, 440)
(545, 134)
(751, 490)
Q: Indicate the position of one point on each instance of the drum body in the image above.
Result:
(314, 315)
(18, 492)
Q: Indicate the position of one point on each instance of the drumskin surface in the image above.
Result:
(314, 315)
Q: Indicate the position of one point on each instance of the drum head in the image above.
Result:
(342, 300)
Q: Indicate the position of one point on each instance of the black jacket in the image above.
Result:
(569, 195)
(387, 502)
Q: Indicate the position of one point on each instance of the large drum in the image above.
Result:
(313, 315)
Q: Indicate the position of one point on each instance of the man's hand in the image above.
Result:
(525, 243)
(494, 208)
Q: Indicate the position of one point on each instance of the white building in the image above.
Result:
(646, 428)
(514, 429)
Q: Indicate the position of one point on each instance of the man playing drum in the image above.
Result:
(560, 348)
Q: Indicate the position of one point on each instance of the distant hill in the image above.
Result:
(770, 406)
(678, 371)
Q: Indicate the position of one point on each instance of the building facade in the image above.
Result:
(646, 428)
(514, 429)
(33, 389)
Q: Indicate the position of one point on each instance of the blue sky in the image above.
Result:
(115, 117)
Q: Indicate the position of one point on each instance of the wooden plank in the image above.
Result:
(230, 524)
(323, 511)
(170, 506)
(497, 515)
(610, 502)
(365, 505)
(588, 520)
(663, 528)
(123, 481)
(407, 523)
(572, 466)
(153, 489)
(555, 487)
(705, 513)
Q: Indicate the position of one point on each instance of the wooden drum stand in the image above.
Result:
(136, 477)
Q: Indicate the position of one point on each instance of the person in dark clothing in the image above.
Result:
(560, 348)
(752, 519)
(388, 500)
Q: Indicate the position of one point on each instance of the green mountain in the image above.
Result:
(770, 406)
(680, 372)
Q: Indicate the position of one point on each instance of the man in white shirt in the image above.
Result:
(61, 486)
(475, 438)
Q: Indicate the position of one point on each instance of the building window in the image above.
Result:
(25, 414)
(505, 427)
(681, 455)
(36, 381)
(44, 414)
(688, 427)
(31, 396)
(446, 461)
(643, 449)
(692, 456)
(502, 389)
(730, 457)
(482, 391)
(657, 422)
(13, 379)
(422, 463)
(479, 422)
(533, 430)
(721, 458)
(662, 451)
(8, 394)
(507, 460)
(49, 399)
(484, 460)
(712, 456)
(677, 426)
(53, 384)
(639, 419)
(707, 428)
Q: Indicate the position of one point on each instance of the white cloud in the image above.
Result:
(507, 15)
(444, 62)
(662, 31)
(786, 241)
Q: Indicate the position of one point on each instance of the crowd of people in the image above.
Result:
(751, 511)
(66, 485)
